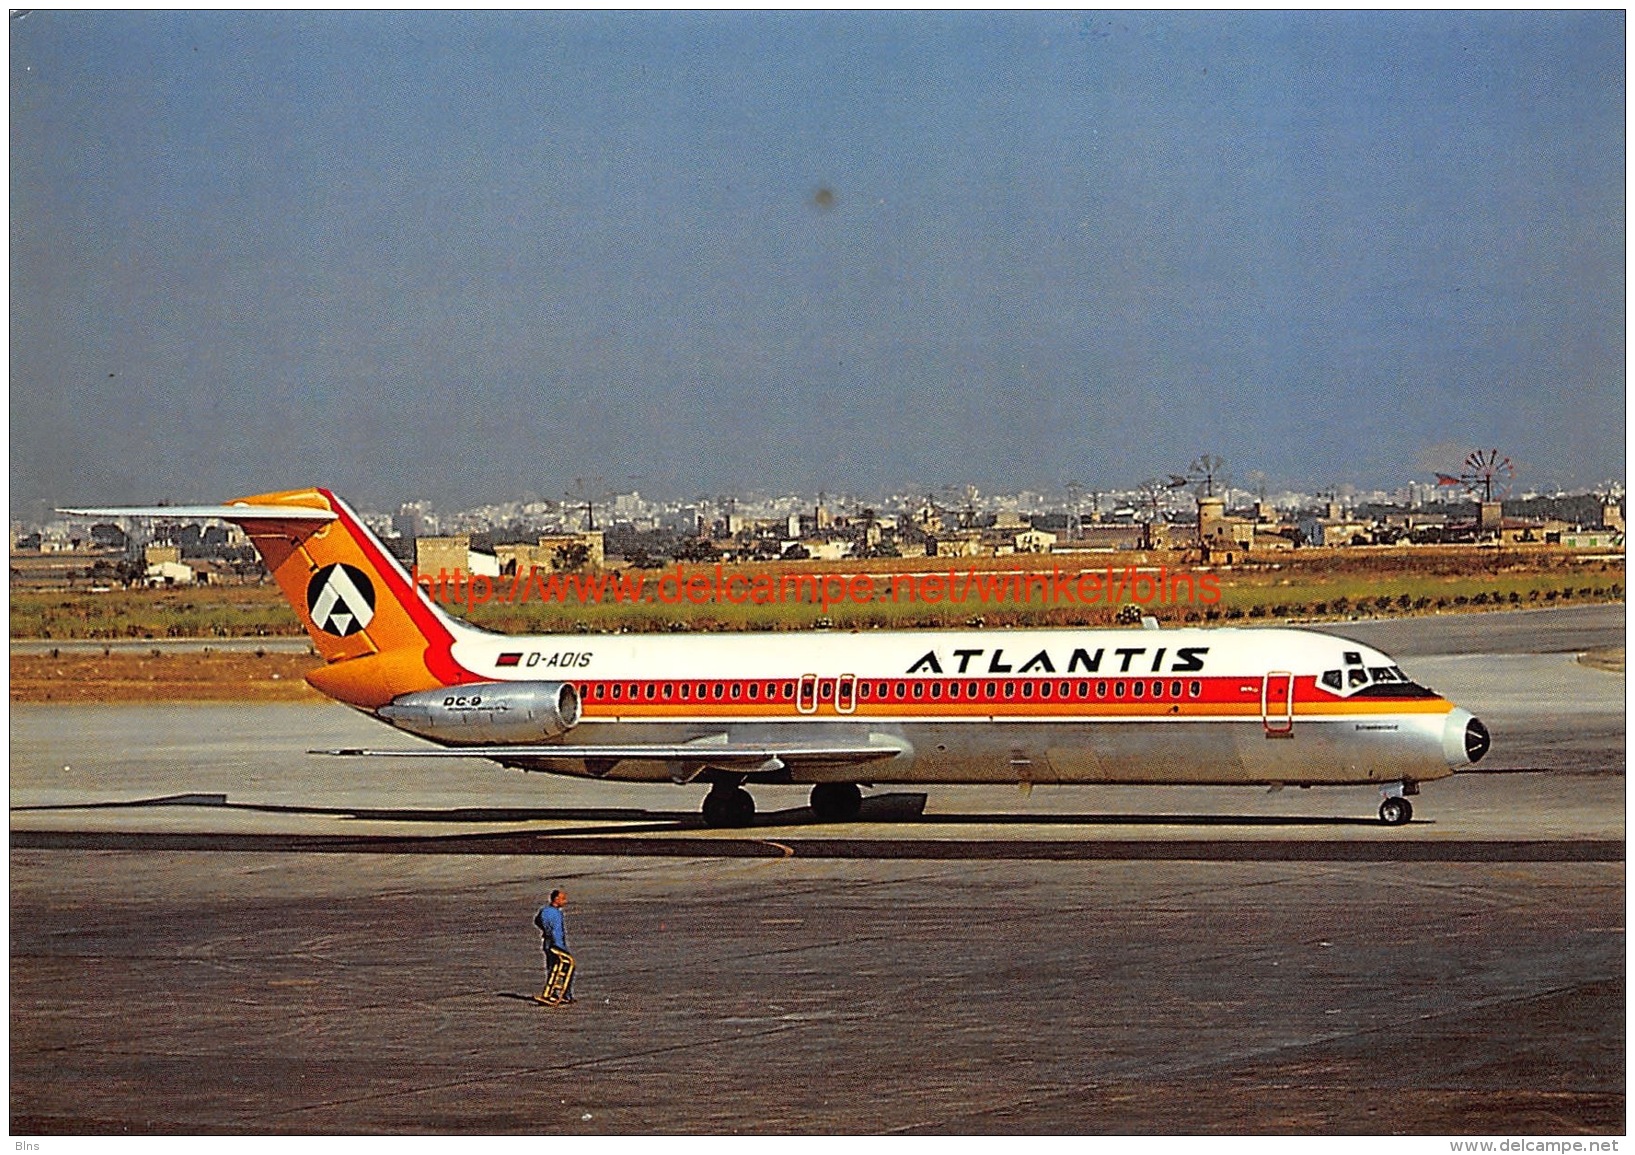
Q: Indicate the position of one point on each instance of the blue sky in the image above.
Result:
(467, 255)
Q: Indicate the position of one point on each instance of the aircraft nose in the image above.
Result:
(1477, 740)
(1464, 739)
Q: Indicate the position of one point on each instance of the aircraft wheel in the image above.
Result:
(1396, 811)
(729, 806)
(836, 801)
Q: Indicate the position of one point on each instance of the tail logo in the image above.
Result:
(341, 599)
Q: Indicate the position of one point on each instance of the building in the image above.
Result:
(1034, 541)
(453, 554)
(414, 518)
(1593, 538)
(1220, 535)
(165, 567)
(1107, 535)
(553, 552)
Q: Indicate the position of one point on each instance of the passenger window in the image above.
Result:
(1101, 689)
(754, 689)
(1027, 689)
(1010, 689)
(1197, 688)
(669, 691)
(1138, 689)
(1175, 689)
(993, 690)
(1118, 689)
(618, 692)
(1084, 689)
(919, 689)
(936, 689)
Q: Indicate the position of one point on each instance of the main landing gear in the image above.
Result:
(728, 804)
(836, 801)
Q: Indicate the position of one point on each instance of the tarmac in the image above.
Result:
(213, 932)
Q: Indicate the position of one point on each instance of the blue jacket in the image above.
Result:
(549, 921)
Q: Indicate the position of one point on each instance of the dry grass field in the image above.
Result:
(920, 593)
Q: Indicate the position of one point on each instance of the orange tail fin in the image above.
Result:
(378, 632)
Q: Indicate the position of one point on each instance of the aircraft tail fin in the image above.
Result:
(378, 632)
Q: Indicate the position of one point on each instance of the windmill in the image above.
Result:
(1205, 475)
(1486, 473)
(586, 492)
(1154, 499)
(1487, 478)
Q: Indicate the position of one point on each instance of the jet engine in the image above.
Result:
(484, 712)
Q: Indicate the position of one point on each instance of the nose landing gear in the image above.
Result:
(1396, 810)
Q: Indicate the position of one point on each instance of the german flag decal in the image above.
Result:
(509, 659)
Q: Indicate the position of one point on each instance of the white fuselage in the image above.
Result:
(1067, 706)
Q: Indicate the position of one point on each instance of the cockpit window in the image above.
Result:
(1356, 680)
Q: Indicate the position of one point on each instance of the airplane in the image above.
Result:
(1269, 707)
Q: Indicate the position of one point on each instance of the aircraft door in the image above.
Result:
(1277, 704)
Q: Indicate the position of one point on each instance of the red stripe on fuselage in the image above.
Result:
(931, 698)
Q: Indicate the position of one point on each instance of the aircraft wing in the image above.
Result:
(758, 756)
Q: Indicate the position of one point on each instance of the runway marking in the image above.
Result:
(1383, 849)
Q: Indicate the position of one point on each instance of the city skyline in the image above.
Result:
(459, 254)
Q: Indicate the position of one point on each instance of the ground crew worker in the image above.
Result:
(553, 934)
